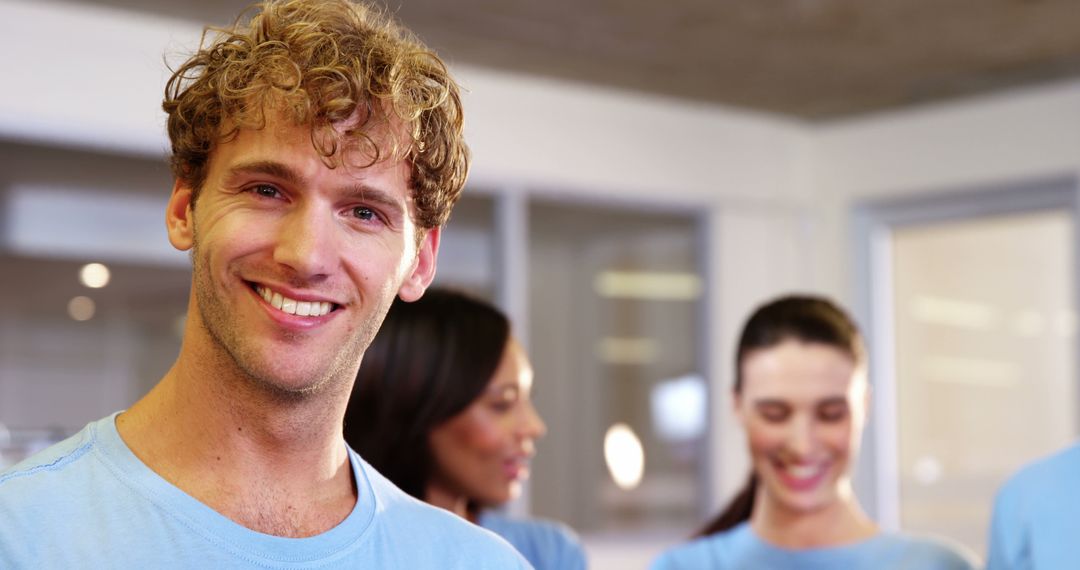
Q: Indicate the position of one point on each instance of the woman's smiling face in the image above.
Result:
(803, 406)
(483, 453)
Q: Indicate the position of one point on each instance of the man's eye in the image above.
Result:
(266, 191)
(362, 213)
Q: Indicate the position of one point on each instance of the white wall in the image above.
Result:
(1015, 136)
(84, 76)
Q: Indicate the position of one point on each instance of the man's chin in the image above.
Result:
(287, 385)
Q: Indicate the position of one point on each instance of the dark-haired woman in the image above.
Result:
(441, 407)
(801, 394)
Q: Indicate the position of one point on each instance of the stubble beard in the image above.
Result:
(231, 346)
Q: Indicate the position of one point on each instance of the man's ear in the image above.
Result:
(179, 217)
(423, 269)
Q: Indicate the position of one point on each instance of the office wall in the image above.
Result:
(964, 145)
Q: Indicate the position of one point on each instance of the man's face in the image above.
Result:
(295, 263)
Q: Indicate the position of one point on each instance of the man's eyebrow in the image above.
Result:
(281, 171)
(268, 167)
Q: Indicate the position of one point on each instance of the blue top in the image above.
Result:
(545, 544)
(741, 548)
(89, 502)
(1036, 523)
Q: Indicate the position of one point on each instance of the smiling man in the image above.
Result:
(317, 151)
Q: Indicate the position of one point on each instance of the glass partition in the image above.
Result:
(614, 321)
(985, 342)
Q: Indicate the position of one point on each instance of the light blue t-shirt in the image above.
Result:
(546, 545)
(1036, 522)
(741, 548)
(88, 502)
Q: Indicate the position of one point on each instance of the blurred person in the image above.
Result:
(317, 149)
(442, 407)
(801, 395)
(1034, 524)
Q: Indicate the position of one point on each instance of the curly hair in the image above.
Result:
(344, 68)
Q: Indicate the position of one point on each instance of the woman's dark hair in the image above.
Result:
(802, 318)
(429, 361)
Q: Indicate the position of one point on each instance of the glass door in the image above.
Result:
(972, 305)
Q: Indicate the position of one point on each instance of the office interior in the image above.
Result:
(628, 235)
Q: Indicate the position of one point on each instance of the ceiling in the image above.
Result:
(809, 59)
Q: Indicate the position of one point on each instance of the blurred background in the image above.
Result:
(645, 174)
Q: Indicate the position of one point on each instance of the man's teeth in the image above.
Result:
(292, 306)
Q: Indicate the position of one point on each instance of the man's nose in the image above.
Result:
(306, 241)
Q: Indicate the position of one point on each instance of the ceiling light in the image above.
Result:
(624, 455)
(927, 470)
(649, 285)
(954, 312)
(971, 371)
(81, 308)
(94, 275)
(627, 350)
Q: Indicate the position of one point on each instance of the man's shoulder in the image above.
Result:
(48, 465)
(49, 497)
(401, 518)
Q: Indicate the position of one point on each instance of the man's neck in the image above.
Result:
(273, 465)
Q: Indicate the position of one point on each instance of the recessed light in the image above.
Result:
(81, 308)
(94, 275)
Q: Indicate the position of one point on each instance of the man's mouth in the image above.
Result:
(292, 306)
